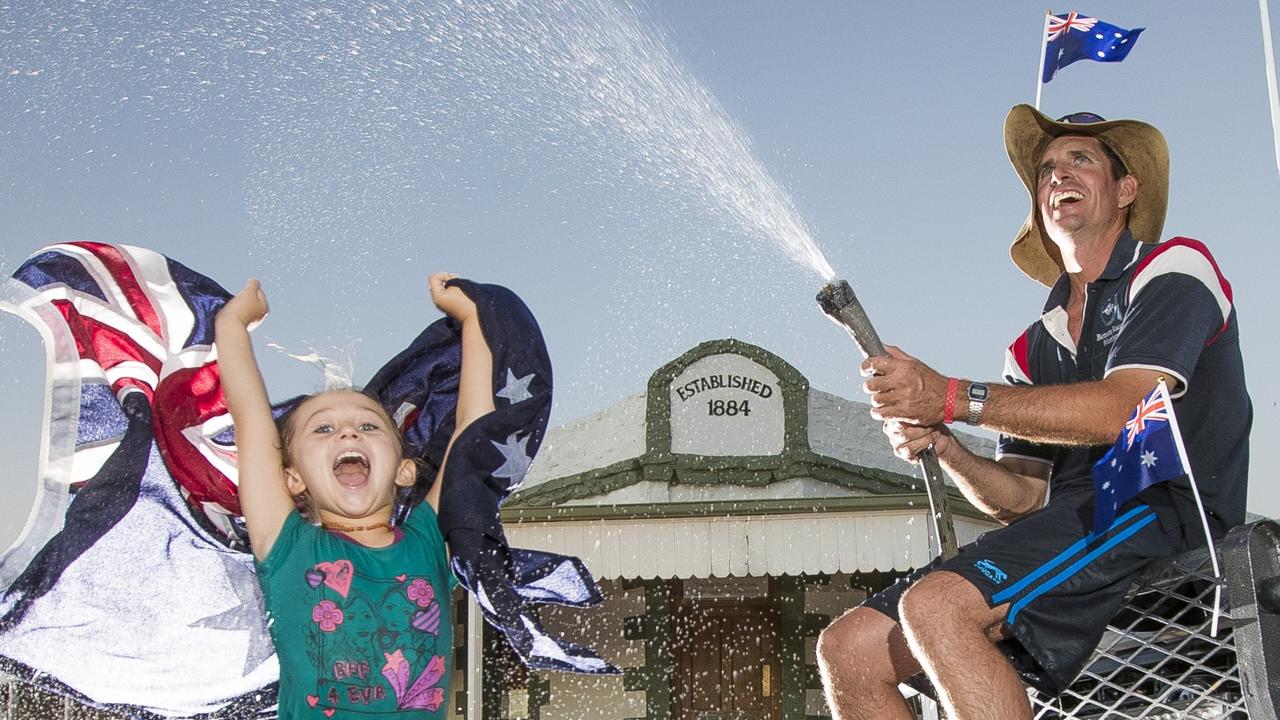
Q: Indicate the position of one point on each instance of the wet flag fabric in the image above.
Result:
(1073, 37)
(488, 461)
(131, 587)
(1148, 451)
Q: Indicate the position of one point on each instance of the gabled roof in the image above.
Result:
(830, 448)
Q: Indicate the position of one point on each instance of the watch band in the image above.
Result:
(978, 393)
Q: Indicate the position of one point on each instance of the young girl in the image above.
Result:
(360, 608)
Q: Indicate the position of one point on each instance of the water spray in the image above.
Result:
(838, 301)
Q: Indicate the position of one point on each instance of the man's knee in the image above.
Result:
(840, 638)
(943, 601)
(860, 638)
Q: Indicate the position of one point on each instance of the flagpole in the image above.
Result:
(1044, 43)
(1204, 518)
(1269, 53)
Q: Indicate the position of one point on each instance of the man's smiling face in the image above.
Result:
(1077, 193)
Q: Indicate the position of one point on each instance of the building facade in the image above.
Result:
(731, 512)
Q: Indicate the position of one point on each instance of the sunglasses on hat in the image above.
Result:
(1081, 118)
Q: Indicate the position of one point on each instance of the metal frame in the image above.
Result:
(1157, 659)
(1252, 555)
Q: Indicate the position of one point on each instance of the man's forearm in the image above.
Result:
(991, 487)
(903, 389)
(1087, 413)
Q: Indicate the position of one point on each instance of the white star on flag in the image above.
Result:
(242, 582)
(1149, 458)
(517, 460)
(516, 389)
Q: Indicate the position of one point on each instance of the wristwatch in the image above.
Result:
(978, 393)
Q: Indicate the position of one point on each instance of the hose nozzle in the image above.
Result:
(839, 302)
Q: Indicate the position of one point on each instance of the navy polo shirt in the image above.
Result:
(1164, 307)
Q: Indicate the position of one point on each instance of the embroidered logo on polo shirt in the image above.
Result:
(1110, 312)
(995, 574)
(1111, 318)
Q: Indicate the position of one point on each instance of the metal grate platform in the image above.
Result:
(1158, 660)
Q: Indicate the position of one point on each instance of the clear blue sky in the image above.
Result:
(618, 166)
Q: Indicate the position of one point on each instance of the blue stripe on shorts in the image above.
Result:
(1136, 518)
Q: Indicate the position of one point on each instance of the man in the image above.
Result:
(1033, 598)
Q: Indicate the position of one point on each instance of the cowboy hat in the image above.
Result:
(1140, 146)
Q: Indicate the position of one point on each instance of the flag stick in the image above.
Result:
(1044, 43)
(1269, 53)
(1204, 518)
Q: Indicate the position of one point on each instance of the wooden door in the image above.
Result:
(726, 663)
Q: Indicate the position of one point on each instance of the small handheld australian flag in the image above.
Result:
(1148, 451)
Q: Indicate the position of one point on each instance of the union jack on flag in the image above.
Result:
(1073, 37)
(1059, 24)
(141, 322)
(1153, 408)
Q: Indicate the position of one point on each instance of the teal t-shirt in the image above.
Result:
(359, 631)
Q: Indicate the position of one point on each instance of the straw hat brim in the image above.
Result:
(1142, 148)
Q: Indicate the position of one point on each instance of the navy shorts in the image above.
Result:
(1062, 583)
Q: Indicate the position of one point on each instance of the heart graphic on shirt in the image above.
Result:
(427, 620)
(337, 575)
(330, 711)
(401, 578)
(312, 700)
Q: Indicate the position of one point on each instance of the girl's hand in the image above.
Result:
(451, 300)
(248, 307)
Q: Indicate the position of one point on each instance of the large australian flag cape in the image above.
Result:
(131, 587)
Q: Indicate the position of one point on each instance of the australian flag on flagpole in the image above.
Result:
(1073, 37)
(1148, 451)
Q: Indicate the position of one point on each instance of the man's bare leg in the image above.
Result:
(952, 632)
(863, 656)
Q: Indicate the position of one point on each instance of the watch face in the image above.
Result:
(978, 391)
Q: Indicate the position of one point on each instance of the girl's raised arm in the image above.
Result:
(264, 497)
(475, 386)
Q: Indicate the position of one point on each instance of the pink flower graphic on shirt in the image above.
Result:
(420, 694)
(327, 615)
(421, 592)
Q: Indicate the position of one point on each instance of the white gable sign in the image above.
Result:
(726, 405)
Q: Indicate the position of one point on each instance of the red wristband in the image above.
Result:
(949, 409)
